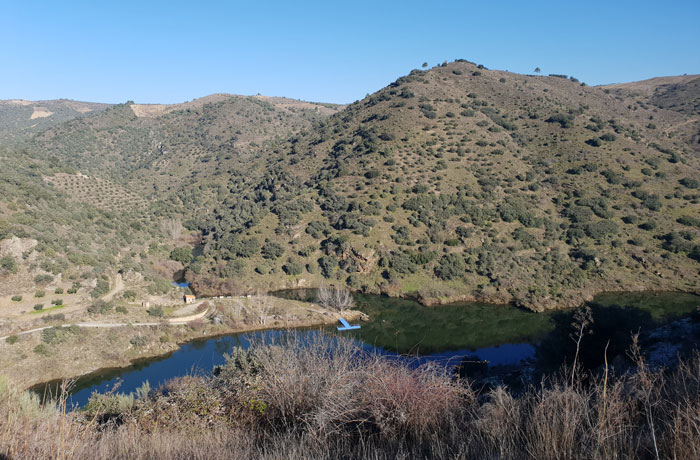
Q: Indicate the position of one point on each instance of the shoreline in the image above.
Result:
(329, 319)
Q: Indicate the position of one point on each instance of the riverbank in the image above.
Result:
(68, 352)
(432, 292)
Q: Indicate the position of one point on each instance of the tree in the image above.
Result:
(181, 254)
(538, 70)
(327, 265)
(425, 64)
(272, 250)
(8, 264)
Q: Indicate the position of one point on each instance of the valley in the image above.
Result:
(481, 219)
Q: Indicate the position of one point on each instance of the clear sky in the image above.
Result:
(332, 51)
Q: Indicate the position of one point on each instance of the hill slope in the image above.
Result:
(95, 193)
(20, 118)
(462, 183)
(456, 182)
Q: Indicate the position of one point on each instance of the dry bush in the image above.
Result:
(335, 298)
(327, 398)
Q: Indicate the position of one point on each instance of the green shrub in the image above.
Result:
(8, 264)
(100, 307)
(16, 298)
(690, 182)
(121, 309)
(689, 221)
(565, 121)
(57, 302)
(43, 279)
(450, 267)
(327, 265)
(58, 334)
(39, 307)
(101, 289)
(156, 311)
(39, 294)
(293, 267)
(11, 340)
(402, 263)
(138, 341)
(182, 254)
(41, 349)
(159, 285)
(58, 291)
(271, 250)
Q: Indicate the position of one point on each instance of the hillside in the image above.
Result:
(20, 118)
(466, 183)
(456, 182)
(680, 94)
(94, 195)
(171, 144)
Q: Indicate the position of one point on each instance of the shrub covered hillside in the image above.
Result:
(156, 147)
(94, 190)
(456, 182)
(20, 118)
(462, 182)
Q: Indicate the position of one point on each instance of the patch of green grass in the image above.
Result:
(55, 307)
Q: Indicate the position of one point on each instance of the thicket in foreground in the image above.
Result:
(331, 400)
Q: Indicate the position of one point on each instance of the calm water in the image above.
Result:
(499, 334)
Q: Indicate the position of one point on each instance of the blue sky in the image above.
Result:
(165, 52)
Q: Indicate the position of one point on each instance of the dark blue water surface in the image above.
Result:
(199, 357)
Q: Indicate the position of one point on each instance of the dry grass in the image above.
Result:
(331, 400)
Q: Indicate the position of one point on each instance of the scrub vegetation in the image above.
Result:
(452, 183)
(323, 400)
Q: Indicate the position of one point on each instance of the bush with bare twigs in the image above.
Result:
(335, 298)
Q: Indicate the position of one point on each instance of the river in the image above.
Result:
(503, 335)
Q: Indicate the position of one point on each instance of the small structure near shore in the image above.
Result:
(346, 326)
(189, 298)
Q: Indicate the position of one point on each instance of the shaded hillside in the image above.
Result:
(46, 235)
(461, 182)
(680, 94)
(20, 118)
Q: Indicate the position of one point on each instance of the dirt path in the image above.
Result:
(118, 287)
(96, 324)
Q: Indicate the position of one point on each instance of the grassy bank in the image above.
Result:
(296, 402)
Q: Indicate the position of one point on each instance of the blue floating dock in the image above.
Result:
(346, 326)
